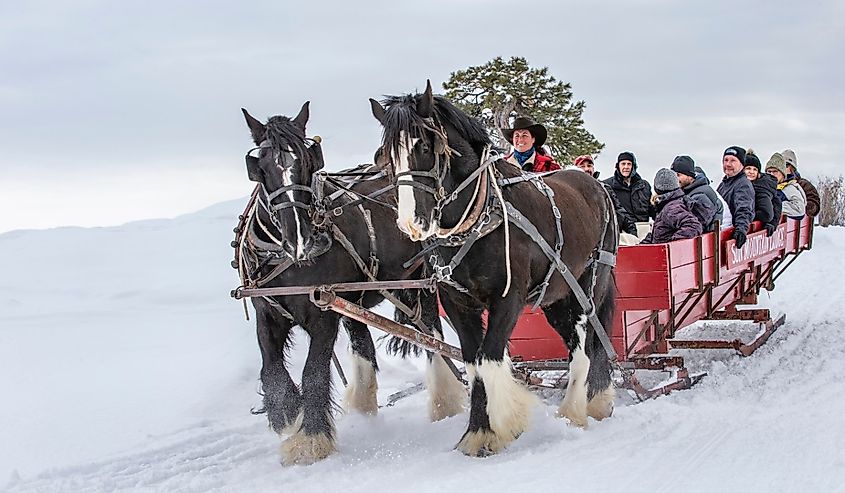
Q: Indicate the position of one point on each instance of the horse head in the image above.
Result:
(432, 147)
(283, 164)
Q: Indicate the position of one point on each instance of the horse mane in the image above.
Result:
(284, 134)
(401, 114)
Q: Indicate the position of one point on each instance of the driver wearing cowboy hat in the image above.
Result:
(527, 139)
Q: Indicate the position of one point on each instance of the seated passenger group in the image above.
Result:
(684, 204)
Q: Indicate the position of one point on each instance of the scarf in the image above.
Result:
(521, 157)
(785, 184)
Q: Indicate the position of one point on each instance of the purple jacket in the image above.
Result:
(674, 219)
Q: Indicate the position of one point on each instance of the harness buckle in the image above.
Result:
(337, 211)
(443, 272)
(436, 213)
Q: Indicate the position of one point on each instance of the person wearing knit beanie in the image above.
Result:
(630, 188)
(810, 190)
(767, 204)
(674, 219)
(702, 199)
(777, 163)
(738, 192)
(792, 196)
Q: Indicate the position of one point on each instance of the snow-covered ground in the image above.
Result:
(125, 366)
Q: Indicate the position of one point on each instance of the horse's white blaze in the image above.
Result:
(287, 181)
(509, 403)
(446, 395)
(407, 205)
(363, 386)
(574, 405)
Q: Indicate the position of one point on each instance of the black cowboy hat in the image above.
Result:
(537, 130)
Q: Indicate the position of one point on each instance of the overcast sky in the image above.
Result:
(123, 110)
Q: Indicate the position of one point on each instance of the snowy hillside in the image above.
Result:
(127, 367)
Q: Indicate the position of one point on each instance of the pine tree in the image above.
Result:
(500, 90)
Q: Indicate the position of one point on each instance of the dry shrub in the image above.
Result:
(832, 196)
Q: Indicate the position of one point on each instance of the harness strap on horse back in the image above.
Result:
(586, 303)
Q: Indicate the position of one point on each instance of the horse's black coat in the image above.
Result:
(283, 147)
(585, 210)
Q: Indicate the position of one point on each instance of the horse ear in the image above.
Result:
(256, 128)
(378, 110)
(302, 118)
(425, 108)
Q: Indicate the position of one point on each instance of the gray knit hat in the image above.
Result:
(665, 181)
(777, 162)
(790, 158)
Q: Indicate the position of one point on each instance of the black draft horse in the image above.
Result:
(435, 148)
(283, 165)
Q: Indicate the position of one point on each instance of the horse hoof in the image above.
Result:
(302, 449)
(482, 443)
(601, 405)
(575, 418)
(361, 401)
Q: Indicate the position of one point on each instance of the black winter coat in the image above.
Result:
(626, 221)
(767, 204)
(703, 197)
(739, 194)
(674, 219)
(635, 198)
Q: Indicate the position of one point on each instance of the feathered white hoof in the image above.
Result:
(361, 394)
(601, 405)
(447, 396)
(509, 402)
(482, 443)
(575, 412)
(302, 449)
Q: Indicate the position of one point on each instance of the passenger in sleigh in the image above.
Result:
(791, 194)
(737, 192)
(703, 200)
(675, 220)
(767, 205)
(527, 139)
(627, 222)
(630, 188)
(810, 191)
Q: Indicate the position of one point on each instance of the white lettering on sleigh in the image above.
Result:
(757, 246)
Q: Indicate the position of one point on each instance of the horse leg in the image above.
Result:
(282, 399)
(315, 439)
(500, 408)
(361, 392)
(600, 390)
(446, 393)
(569, 321)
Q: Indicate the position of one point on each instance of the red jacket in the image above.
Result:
(538, 162)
